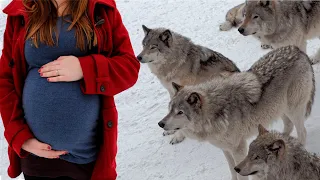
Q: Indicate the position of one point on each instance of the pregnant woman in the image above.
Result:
(62, 62)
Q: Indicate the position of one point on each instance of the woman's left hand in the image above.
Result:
(65, 68)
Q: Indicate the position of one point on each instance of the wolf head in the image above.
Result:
(199, 108)
(184, 108)
(260, 17)
(156, 44)
(267, 150)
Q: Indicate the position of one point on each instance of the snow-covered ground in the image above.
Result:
(143, 153)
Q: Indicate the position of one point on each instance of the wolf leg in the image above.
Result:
(288, 125)
(239, 153)
(298, 120)
(266, 46)
(177, 138)
(168, 133)
(231, 164)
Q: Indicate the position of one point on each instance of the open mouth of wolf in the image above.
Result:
(253, 173)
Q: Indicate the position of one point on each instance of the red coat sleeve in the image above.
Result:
(16, 131)
(111, 75)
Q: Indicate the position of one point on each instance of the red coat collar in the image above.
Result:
(16, 7)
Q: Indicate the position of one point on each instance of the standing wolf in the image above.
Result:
(277, 156)
(226, 111)
(282, 23)
(175, 58)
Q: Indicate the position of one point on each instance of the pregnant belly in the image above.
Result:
(60, 114)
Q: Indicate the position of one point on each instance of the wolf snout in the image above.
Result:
(241, 30)
(161, 124)
(237, 169)
(139, 58)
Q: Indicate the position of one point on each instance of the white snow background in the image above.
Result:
(144, 154)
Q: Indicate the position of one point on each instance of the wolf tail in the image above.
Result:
(311, 100)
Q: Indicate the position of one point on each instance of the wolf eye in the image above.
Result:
(256, 158)
(180, 112)
(255, 17)
(153, 47)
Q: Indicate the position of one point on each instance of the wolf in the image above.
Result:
(277, 156)
(227, 111)
(281, 23)
(173, 57)
(234, 18)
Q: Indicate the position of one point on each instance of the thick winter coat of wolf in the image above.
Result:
(281, 23)
(226, 111)
(173, 57)
(277, 156)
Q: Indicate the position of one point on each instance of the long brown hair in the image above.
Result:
(43, 17)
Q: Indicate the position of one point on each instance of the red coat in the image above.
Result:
(111, 70)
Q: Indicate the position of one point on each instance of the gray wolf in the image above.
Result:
(227, 111)
(277, 156)
(173, 57)
(282, 23)
(234, 18)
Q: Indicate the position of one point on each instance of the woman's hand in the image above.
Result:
(40, 149)
(65, 68)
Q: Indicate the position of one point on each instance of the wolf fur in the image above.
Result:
(277, 156)
(173, 57)
(226, 111)
(281, 23)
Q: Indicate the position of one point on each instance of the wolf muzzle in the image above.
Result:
(161, 124)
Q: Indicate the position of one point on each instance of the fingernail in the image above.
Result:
(49, 147)
(48, 79)
(41, 74)
(39, 70)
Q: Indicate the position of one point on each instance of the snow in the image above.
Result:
(144, 154)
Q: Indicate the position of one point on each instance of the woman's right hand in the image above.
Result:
(41, 149)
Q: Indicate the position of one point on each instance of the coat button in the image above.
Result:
(11, 63)
(102, 88)
(110, 124)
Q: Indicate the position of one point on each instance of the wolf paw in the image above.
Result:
(168, 133)
(177, 140)
(226, 26)
(266, 46)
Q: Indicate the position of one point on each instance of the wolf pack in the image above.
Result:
(211, 100)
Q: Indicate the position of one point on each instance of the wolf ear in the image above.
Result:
(176, 87)
(262, 130)
(278, 147)
(264, 3)
(166, 37)
(194, 100)
(145, 29)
